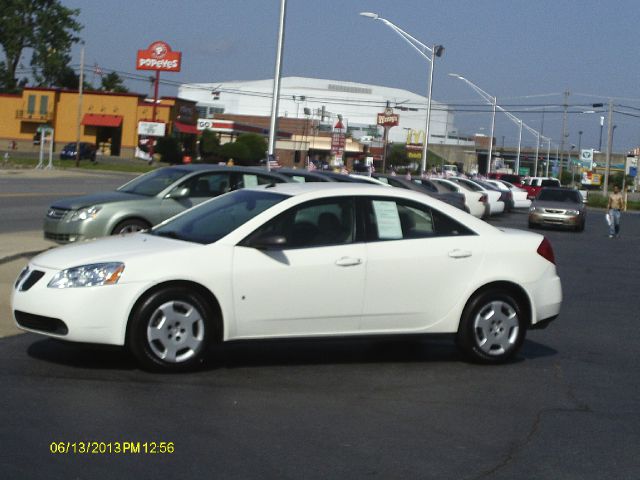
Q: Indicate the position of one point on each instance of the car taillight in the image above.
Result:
(546, 251)
(483, 198)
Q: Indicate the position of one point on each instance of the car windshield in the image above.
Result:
(209, 222)
(153, 182)
(548, 195)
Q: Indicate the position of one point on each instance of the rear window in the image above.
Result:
(550, 182)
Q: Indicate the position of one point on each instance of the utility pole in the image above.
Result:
(564, 128)
(609, 146)
(79, 119)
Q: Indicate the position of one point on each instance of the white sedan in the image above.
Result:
(519, 195)
(476, 202)
(496, 205)
(249, 265)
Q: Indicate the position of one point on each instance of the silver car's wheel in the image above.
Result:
(130, 226)
(496, 327)
(492, 326)
(176, 331)
(171, 328)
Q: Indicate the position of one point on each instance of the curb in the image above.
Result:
(16, 256)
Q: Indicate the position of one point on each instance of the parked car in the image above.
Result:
(452, 198)
(557, 206)
(244, 266)
(87, 151)
(507, 177)
(476, 202)
(496, 205)
(518, 194)
(534, 184)
(505, 194)
(147, 200)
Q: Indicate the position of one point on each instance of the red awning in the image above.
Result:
(100, 120)
(185, 128)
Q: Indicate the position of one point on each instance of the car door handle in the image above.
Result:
(459, 253)
(348, 262)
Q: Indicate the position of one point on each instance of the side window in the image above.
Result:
(248, 180)
(396, 219)
(44, 104)
(207, 185)
(314, 224)
(31, 104)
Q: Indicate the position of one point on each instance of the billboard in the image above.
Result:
(158, 57)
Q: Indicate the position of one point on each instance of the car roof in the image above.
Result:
(303, 173)
(202, 167)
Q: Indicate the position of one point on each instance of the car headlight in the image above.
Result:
(532, 209)
(88, 275)
(87, 213)
(573, 212)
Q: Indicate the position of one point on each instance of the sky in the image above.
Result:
(525, 53)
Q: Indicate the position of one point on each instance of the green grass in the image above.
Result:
(84, 165)
(597, 200)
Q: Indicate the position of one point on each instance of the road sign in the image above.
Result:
(586, 157)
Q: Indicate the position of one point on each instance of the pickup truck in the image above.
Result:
(534, 184)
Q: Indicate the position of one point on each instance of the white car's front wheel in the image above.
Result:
(170, 330)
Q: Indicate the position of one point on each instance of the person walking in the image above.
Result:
(615, 205)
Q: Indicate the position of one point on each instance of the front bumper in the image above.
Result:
(557, 219)
(85, 314)
(62, 231)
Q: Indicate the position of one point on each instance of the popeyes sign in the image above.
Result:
(160, 57)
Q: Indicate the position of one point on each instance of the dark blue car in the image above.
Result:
(87, 151)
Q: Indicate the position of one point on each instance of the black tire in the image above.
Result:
(492, 327)
(531, 225)
(581, 227)
(170, 330)
(130, 225)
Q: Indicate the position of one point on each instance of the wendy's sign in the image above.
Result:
(159, 57)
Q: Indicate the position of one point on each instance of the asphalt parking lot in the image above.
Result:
(383, 407)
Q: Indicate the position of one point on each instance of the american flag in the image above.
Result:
(97, 70)
(310, 165)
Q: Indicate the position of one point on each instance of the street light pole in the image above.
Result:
(517, 169)
(421, 48)
(490, 100)
(273, 124)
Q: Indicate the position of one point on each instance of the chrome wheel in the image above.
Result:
(496, 327)
(131, 228)
(176, 331)
(131, 225)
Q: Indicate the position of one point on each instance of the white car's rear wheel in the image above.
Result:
(492, 327)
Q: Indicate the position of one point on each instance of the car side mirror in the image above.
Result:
(178, 193)
(269, 242)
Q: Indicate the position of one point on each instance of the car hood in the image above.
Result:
(109, 249)
(75, 203)
(558, 205)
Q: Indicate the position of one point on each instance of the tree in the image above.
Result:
(256, 147)
(45, 26)
(169, 150)
(112, 82)
(209, 145)
(236, 151)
